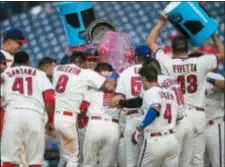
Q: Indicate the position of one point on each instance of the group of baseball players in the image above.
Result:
(161, 112)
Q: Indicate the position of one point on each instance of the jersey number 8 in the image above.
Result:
(61, 83)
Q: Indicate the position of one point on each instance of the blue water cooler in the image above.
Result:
(76, 17)
(191, 20)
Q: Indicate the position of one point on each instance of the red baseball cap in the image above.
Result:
(16, 34)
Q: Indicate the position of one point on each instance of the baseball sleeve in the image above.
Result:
(208, 62)
(151, 99)
(46, 84)
(162, 58)
(94, 79)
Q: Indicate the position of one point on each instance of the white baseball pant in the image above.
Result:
(197, 117)
(67, 136)
(184, 132)
(215, 142)
(23, 127)
(132, 151)
(102, 138)
(121, 158)
(81, 136)
(159, 151)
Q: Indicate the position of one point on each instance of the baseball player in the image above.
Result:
(27, 94)
(215, 121)
(160, 107)
(129, 85)
(191, 74)
(3, 66)
(71, 83)
(92, 58)
(103, 122)
(47, 64)
(13, 40)
(183, 129)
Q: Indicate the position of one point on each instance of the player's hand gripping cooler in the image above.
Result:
(191, 20)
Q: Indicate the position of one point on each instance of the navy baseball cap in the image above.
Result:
(91, 53)
(3, 59)
(143, 51)
(16, 34)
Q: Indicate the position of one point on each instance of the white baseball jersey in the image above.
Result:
(9, 57)
(214, 99)
(190, 73)
(172, 85)
(71, 83)
(23, 88)
(98, 104)
(165, 103)
(129, 83)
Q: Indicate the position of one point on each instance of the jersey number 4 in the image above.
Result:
(189, 82)
(168, 114)
(61, 83)
(18, 85)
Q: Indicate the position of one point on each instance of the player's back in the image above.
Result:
(129, 83)
(71, 84)
(190, 73)
(164, 102)
(23, 87)
(172, 85)
(98, 103)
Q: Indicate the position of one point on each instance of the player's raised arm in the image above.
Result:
(154, 34)
(219, 48)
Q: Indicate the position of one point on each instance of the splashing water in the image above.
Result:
(116, 49)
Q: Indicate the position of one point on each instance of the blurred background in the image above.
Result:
(43, 26)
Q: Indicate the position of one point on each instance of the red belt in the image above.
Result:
(132, 112)
(160, 133)
(102, 118)
(68, 113)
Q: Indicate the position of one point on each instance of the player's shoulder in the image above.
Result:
(164, 77)
(206, 57)
(87, 72)
(134, 69)
(215, 75)
(154, 90)
(23, 70)
(160, 52)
